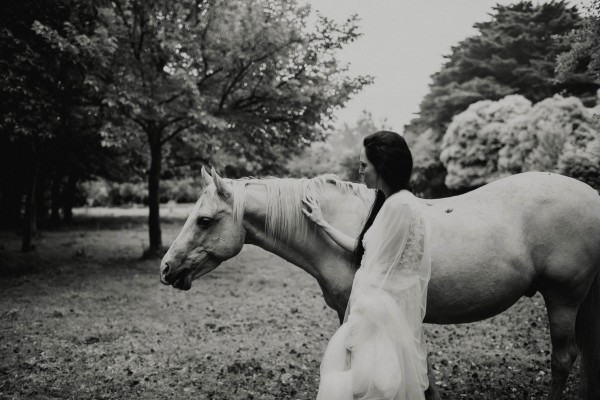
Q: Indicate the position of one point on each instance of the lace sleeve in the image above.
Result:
(388, 236)
(397, 255)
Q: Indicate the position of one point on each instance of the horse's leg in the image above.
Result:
(431, 393)
(564, 349)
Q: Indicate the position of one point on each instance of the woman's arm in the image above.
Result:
(314, 213)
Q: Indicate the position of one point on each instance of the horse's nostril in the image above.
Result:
(165, 270)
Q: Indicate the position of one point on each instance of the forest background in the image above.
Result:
(118, 103)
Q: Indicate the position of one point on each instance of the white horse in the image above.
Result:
(519, 235)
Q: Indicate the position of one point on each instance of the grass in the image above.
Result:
(83, 317)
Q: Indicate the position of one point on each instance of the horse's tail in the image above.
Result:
(587, 333)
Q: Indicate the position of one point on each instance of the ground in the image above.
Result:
(83, 317)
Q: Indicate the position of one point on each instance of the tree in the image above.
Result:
(492, 139)
(272, 79)
(581, 62)
(246, 78)
(42, 95)
(513, 53)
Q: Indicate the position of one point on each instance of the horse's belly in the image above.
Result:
(471, 304)
(477, 280)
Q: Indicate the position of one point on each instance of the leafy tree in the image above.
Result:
(514, 52)
(43, 97)
(492, 139)
(581, 62)
(248, 73)
(275, 82)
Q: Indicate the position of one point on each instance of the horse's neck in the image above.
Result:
(316, 254)
(294, 251)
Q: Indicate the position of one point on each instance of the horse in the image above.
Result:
(522, 234)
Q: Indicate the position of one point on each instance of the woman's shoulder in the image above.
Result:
(402, 197)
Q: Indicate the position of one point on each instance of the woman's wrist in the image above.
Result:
(324, 224)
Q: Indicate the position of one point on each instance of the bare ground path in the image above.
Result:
(84, 318)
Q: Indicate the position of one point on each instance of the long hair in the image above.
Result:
(390, 156)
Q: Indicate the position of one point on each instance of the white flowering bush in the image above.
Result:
(492, 139)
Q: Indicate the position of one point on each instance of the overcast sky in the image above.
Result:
(403, 44)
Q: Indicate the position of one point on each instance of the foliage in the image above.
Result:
(492, 139)
(428, 171)
(338, 154)
(582, 61)
(513, 53)
(49, 117)
(470, 147)
(101, 192)
(248, 73)
(274, 81)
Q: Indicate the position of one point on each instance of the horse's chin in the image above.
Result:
(204, 269)
(185, 282)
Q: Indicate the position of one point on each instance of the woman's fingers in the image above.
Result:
(307, 204)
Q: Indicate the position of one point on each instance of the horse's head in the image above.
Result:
(209, 236)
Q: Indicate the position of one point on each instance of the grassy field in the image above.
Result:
(83, 317)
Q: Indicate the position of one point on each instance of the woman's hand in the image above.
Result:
(313, 211)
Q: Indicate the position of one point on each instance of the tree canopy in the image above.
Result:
(189, 82)
(582, 61)
(513, 53)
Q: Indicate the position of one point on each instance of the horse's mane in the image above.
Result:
(284, 217)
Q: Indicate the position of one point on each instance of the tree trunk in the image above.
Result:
(29, 223)
(155, 248)
(41, 206)
(69, 198)
(55, 200)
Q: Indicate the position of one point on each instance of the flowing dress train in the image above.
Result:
(379, 352)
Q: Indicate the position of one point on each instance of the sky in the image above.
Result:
(403, 44)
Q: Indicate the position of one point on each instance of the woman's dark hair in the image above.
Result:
(390, 156)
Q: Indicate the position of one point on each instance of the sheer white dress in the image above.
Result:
(379, 352)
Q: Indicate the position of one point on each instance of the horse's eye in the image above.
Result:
(204, 221)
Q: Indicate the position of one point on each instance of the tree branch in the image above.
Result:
(170, 99)
(243, 70)
(176, 132)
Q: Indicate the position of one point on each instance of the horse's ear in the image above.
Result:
(222, 188)
(205, 179)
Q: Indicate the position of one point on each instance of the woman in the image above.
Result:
(379, 352)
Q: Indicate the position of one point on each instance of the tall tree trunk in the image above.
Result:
(69, 198)
(55, 200)
(29, 222)
(155, 248)
(41, 206)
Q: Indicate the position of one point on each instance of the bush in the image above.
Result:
(492, 139)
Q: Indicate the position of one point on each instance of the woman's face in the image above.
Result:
(366, 171)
